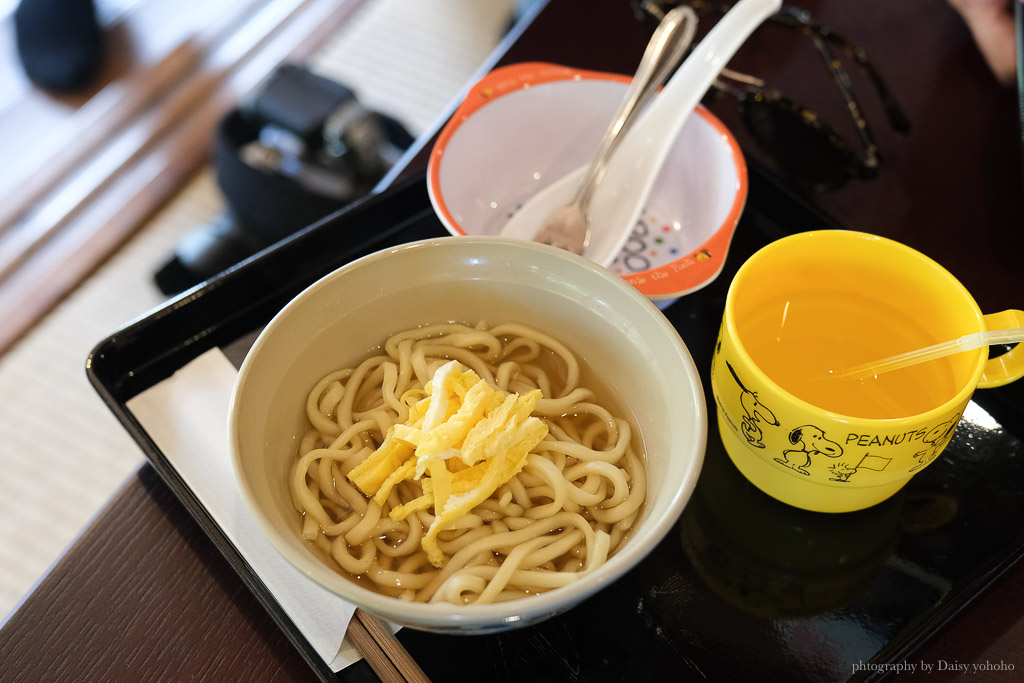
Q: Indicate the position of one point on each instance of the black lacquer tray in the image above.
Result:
(744, 588)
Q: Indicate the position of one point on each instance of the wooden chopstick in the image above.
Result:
(372, 652)
(382, 651)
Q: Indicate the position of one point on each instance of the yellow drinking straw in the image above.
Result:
(968, 342)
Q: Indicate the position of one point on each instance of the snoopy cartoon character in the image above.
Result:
(938, 436)
(755, 413)
(810, 440)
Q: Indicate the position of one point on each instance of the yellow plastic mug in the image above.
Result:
(799, 312)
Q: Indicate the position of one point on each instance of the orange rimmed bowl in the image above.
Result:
(524, 126)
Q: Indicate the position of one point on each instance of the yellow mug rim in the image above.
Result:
(962, 396)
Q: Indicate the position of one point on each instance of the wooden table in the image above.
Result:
(144, 595)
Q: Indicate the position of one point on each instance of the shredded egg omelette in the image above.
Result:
(462, 441)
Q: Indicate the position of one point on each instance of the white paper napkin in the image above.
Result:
(186, 415)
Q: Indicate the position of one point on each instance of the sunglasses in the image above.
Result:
(806, 150)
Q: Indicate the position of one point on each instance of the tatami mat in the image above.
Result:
(62, 454)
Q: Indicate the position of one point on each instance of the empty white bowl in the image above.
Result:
(524, 126)
(337, 321)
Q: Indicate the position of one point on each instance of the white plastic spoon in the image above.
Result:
(617, 201)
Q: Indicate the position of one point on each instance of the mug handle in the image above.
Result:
(1008, 367)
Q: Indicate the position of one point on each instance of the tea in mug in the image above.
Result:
(802, 341)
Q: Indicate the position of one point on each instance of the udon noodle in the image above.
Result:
(566, 511)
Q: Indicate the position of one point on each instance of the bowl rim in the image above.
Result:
(475, 617)
(686, 274)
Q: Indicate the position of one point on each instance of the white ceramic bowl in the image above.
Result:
(526, 125)
(339, 319)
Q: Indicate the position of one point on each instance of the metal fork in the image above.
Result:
(569, 227)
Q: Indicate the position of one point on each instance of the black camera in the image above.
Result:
(299, 149)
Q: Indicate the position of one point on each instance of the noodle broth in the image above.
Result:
(571, 505)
